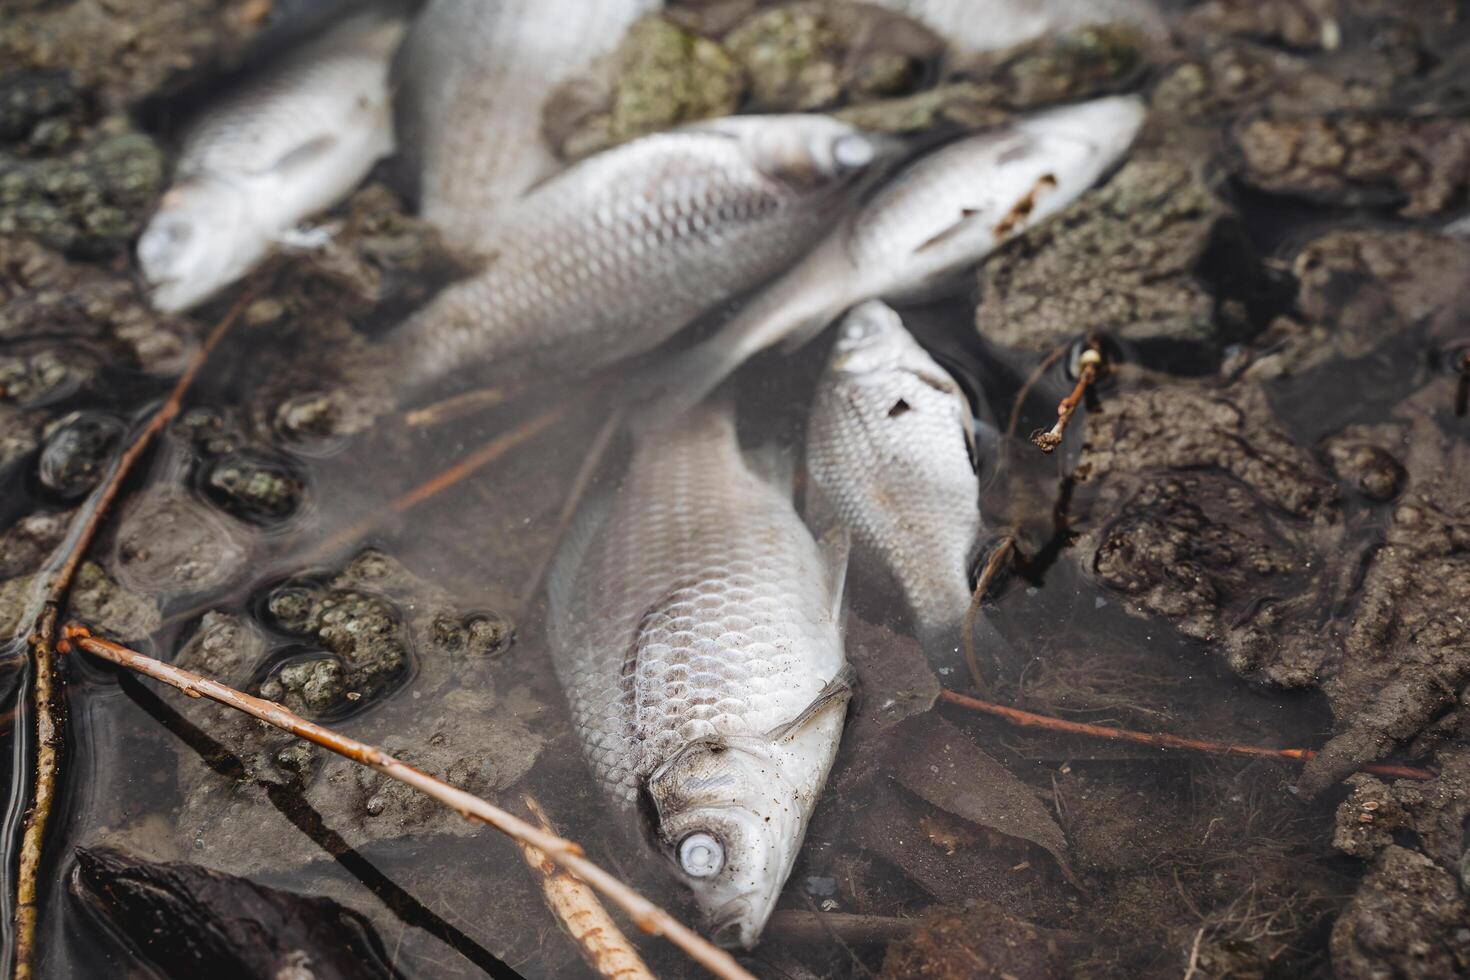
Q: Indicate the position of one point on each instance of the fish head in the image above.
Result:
(810, 152)
(197, 242)
(732, 826)
(871, 338)
(1084, 139)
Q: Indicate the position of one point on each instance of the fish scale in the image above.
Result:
(475, 76)
(613, 256)
(701, 606)
(887, 447)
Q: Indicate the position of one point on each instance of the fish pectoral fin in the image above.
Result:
(837, 692)
(967, 218)
(300, 156)
(836, 545)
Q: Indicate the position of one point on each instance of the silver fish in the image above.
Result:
(694, 627)
(614, 255)
(474, 76)
(992, 25)
(890, 451)
(287, 144)
(939, 217)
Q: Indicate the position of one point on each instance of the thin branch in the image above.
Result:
(42, 644)
(797, 925)
(1046, 364)
(648, 917)
(1090, 365)
(590, 463)
(977, 599)
(1027, 719)
(458, 406)
(575, 905)
(441, 481)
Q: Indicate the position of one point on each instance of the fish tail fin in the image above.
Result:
(790, 312)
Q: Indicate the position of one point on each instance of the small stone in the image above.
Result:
(255, 487)
(79, 449)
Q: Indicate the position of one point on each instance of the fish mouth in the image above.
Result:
(735, 929)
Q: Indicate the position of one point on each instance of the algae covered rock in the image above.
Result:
(88, 202)
(810, 55)
(1152, 256)
(663, 76)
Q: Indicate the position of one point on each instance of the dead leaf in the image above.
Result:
(943, 766)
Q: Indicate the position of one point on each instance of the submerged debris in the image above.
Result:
(189, 921)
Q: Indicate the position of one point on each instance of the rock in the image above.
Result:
(169, 544)
(1362, 462)
(1083, 64)
(20, 435)
(1407, 920)
(111, 609)
(254, 487)
(663, 76)
(90, 202)
(42, 375)
(1209, 516)
(1297, 23)
(1369, 818)
(1360, 288)
(38, 108)
(1419, 165)
(811, 55)
(189, 921)
(964, 105)
(1152, 257)
(449, 719)
(29, 542)
(41, 294)
(79, 449)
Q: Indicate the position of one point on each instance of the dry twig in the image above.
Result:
(649, 917)
(575, 905)
(977, 599)
(441, 481)
(42, 644)
(1090, 364)
(1028, 719)
(458, 406)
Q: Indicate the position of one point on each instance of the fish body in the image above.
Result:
(889, 450)
(615, 254)
(977, 26)
(474, 77)
(939, 217)
(290, 142)
(694, 628)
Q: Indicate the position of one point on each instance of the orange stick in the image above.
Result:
(569, 855)
(1027, 719)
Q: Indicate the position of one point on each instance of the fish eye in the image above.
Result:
(701, 855)
(853, 151)
(163, 242)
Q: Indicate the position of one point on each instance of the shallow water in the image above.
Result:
(1202, 863)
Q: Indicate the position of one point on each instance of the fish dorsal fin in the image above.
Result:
(838, 691)
(300, 156)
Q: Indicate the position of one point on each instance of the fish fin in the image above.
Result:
(968, 218)
(835, 542)
(839, 690)
(300, 156)
(774, 465)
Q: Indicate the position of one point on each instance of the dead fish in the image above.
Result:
(617, 253)
(287, 144)
(976, 26)
(473, 78)
(939, 217)
(695, 630)
(889, 449)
